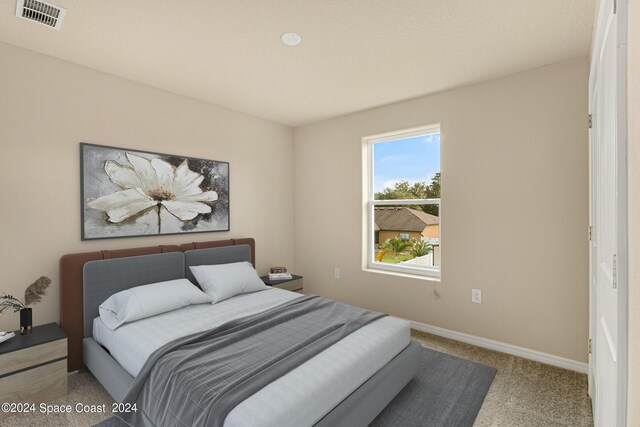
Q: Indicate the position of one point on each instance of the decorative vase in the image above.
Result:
(26, 321)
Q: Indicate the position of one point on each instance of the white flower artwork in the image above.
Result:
(131, 193)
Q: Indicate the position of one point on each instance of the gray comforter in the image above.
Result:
(197, 380)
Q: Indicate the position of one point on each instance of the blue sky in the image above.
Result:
(412, 159)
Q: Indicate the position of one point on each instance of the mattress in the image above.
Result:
(302, 396)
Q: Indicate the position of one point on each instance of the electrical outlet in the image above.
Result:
(476, 296)
(336, 273)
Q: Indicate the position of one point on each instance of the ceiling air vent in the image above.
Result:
(41, 12)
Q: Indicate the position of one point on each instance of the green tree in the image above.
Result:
(420, 248)
(434, 188)
(419, 190)
(395, 246)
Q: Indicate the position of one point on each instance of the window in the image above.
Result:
(403, 202)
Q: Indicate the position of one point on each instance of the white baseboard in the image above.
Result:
(514, 350)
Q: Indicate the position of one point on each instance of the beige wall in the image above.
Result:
(48, 106)
(514, 153)
(390, 234)
(432, 231)
(633, 114)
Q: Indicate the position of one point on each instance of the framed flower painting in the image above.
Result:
(127, 193)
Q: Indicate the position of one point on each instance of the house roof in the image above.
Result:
(403, 219)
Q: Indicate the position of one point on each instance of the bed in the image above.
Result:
(347, 384)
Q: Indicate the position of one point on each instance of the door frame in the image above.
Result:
(621, 7)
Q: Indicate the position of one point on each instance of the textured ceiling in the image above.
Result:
(355, 54)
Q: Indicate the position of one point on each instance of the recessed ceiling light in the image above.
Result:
(291, 39)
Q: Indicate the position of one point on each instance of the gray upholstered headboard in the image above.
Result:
(107, 277)
(103, 278)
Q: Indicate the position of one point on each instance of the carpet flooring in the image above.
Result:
(523, 394)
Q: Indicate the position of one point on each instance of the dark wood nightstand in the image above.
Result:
(294, 284)
(33, 368)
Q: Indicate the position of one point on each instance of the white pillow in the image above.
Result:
(148, 300)
(222, 281)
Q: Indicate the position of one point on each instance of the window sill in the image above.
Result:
(430, 275)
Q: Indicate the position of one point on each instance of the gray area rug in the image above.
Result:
(446, 392)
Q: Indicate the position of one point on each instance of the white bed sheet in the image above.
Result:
(302, 396)
(132, 343)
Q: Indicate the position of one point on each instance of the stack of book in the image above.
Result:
(6, 335)
(279, 273)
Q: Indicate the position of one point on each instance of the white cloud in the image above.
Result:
(390, 183)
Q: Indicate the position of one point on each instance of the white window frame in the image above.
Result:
(369, 262)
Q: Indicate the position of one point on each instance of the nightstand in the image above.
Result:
(294, 284)
(33, 368)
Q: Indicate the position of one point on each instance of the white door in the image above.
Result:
(608, 211)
